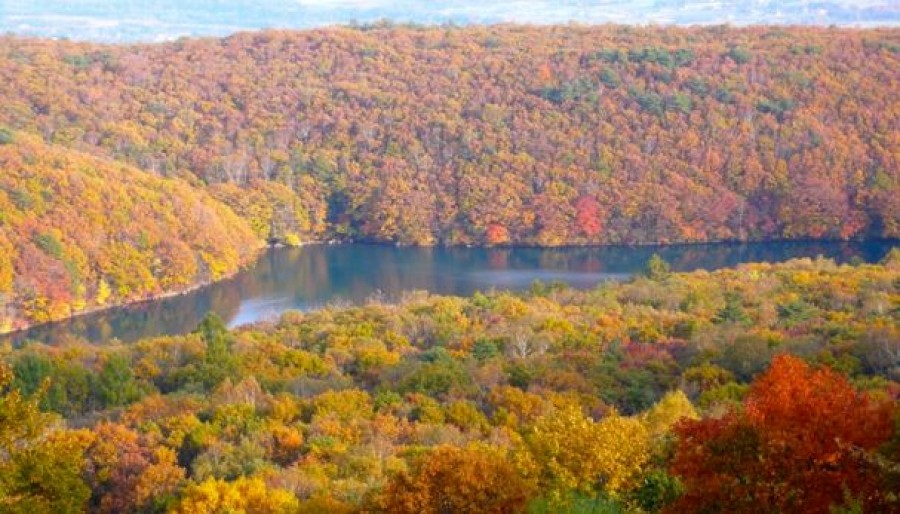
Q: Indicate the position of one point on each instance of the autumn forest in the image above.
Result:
(701, 392)
(483, 135)
(133, 171)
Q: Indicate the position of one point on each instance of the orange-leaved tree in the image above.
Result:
(803, 443)
(452, 479)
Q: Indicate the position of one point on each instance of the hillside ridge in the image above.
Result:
(80, 233)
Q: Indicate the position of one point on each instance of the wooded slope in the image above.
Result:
(551, 135)
(78, 232)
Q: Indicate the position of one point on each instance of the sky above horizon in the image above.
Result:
(161, 20)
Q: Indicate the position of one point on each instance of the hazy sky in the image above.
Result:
(156, 20)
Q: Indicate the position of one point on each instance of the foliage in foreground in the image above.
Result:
(766, 387)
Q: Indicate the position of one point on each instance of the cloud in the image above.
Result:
(344, 4)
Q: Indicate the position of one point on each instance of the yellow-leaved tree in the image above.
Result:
(668, 411)
(244, 495)
(40, 466)
(569, 451)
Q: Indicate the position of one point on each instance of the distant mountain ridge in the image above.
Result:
(125, 21)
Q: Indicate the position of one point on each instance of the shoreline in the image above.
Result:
(264, 248)
(716, 242)
(132, 303)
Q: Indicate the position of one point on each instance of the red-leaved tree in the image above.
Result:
(802, 443)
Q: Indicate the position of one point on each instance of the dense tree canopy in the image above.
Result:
(133, 171)
(79, 232)
(799, 446)
(477, 135)
(542, 135)
(635, 395)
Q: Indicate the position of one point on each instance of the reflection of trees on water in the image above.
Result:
(174, 315)
(313, 276)
(690, 257)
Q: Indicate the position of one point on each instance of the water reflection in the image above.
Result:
(310, 277)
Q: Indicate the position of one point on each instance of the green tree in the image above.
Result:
(610, 78)
(32, 371)
(68, 385)
(218, 363)
(40, 468)
(739, 54)
(6, 136)
(733, 311)
(116, 383)
(657, 268)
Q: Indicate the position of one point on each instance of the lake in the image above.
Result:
(314, 276)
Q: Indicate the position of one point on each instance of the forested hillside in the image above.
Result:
(673, 392)
(507, 134)
(78, 232)
(128, 172)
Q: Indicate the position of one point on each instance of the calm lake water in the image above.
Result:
(313, 276)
